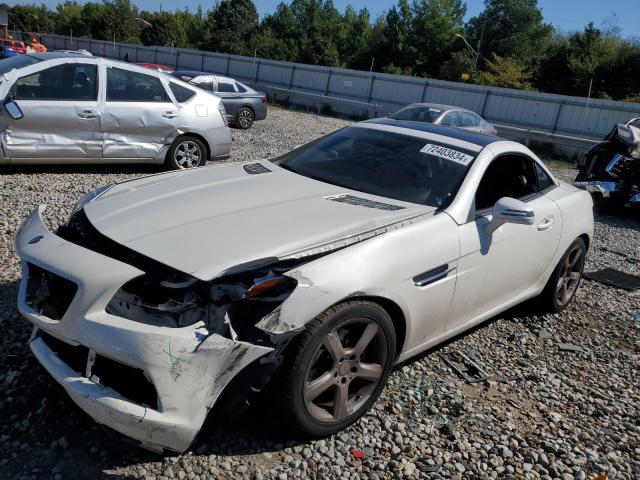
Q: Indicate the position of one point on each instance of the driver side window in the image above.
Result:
(507, 176)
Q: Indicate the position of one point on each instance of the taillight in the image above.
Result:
(223, 112)
(263, 99)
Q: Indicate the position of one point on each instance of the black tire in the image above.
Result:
(307, 353)
(244, 118)
(182, 144)
(549, 298)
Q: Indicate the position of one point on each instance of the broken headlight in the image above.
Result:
(225, 306)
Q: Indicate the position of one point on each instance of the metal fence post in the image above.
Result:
(484, 103)
(293, 69)
(424, 90)
(557, 116)
(328, 84)
(372, 80)
(226, 70)
(202, 62)
(255, 80)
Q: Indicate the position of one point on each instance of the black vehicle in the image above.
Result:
(611, 169)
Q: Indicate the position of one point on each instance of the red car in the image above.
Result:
(16, 45)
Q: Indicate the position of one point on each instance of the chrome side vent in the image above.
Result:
(432, 276)
(255, 168)
(364, 202)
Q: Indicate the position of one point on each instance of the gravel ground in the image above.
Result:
(546, 412)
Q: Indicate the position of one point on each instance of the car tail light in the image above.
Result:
(263, 99)
(223, 112)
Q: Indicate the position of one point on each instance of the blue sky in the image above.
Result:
(566, 15)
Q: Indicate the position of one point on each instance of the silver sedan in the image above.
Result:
(244, 105)
(69, 108)
(446, 115)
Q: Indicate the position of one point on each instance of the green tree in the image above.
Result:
(231, 24)
(459, 64)
(507, 73)
(511, 28)
(163, 29)
(434, 25)
(117, 20)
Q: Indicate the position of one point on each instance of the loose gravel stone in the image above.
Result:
(544, 413)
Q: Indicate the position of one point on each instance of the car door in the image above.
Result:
(496, 269)
(61, 116)
(231, 99)
(138, 115)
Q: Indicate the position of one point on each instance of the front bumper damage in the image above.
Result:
(97, 356)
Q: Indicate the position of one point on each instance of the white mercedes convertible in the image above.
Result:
(307, 277)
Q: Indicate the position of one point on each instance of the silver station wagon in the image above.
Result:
(66, 108)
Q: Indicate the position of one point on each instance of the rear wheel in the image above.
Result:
(565, 279)
(244, 118)
(186, 152)
(339, 367)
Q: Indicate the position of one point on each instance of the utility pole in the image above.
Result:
(484, 22)
(586, 110)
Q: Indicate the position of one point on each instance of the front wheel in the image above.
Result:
(186, 152)
(339, 367)
(565, 279)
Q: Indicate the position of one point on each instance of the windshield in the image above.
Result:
(10, 63)
(418, 114)
(390, 165)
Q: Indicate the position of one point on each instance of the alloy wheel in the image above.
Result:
(187, 154)
(245, 118)
(570, 274)
(345, 370)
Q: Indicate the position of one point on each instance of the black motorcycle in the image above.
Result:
(611, 169)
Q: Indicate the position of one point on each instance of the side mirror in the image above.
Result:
(12, 109)
(510, 210)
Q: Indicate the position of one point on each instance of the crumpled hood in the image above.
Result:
(208, 220)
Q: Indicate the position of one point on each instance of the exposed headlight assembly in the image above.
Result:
(229, 307)
(89, 197)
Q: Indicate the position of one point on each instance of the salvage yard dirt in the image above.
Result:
(548, 410)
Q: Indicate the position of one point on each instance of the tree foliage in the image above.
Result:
(507, 73)
(507, 44)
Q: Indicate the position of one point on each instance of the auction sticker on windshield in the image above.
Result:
(447, 153)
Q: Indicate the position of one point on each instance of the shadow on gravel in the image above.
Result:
(82, 168)
(523, 311)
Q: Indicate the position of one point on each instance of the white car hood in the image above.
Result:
(208, 220)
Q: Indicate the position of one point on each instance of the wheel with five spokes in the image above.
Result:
(340, 366)
(186, 152)
(565, 279)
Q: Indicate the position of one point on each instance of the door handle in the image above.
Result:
(546, 224)
(169, 114)
(88, 114)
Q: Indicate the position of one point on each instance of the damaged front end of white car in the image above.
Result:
(143, 348)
